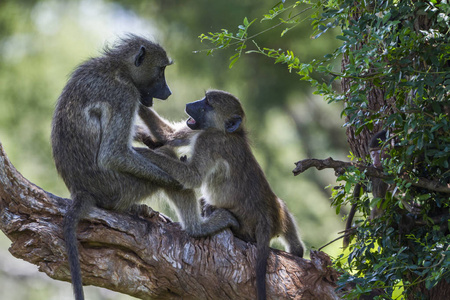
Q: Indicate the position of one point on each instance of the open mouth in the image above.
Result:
(191, 123)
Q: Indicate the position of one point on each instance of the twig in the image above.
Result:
(244, 40)
(340, 167)
(331, 242)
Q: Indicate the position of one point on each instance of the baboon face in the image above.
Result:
(148, 74)
(217, 109)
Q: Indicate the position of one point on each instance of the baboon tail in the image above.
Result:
(262, 254)
(80, 204)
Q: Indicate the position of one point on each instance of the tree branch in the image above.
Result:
(340, 166)
(149, 258)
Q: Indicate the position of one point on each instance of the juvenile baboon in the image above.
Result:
(222, 164)
(92, 131)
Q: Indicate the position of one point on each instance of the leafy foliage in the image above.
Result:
(402, 50)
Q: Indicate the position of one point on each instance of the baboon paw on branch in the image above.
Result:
(148, 257)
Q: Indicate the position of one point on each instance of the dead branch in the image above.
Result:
(340, 167)
(148, 258)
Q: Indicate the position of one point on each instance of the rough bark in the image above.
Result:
(148, 258)
(359, 143)
(439, 292)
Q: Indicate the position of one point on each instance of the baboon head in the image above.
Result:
(218, 109)
(146, 62)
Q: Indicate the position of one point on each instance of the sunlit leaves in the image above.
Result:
(400, 51)
(224, 39)
(274, 12)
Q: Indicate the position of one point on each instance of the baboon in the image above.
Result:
(222, 164)
(164, 137)
(92, 131)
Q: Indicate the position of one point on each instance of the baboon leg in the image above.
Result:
(188, 211)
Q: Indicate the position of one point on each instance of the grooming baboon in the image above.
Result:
(165, 137)
(92, 131)
(223, 165)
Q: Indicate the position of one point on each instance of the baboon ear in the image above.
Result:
(139, 57)
(233, 123)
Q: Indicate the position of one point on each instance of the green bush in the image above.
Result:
(396, 72)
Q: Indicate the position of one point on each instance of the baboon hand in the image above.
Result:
(142, 135)
(168, 181)
(176, 185)
(146, 212)
(139, 133)
(142, 210)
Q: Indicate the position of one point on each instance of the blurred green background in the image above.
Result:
(41, 42)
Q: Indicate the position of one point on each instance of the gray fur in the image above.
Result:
(92, 130)
(224, 167)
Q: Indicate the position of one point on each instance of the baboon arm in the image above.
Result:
(133, 162)
(181, 137)
(116, 154)
(160, 128)
(188, 174)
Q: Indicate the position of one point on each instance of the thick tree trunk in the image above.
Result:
(359, 144)
(439, 292)
(149, 258)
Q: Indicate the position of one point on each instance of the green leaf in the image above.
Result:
(234, 59)
(343, 38)
(233, 62)
(348, 187)
(285, 31)
(424, 197)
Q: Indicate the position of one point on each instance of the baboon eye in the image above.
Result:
(206, 105)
